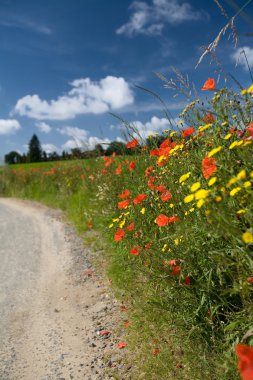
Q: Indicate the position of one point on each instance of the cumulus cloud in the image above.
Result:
(150, 19)
(155, 125)
(80, 139)
(74, 132)
(49, 148)
(43, 127)
(8, 126)
(85, 96)
(239, 58)
(88, 144)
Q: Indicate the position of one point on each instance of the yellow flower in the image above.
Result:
(224, 123)
(250, 89)
(234, 144)
(218, 199)
(235, 191)
(115, 220)
(200, 203)
(247, 184)
(189, 198)
(143, 210)
(212, 181)
(234, 116)
(176, 241)
(201, 194)
(110, 226)
(227, 136)
(164, 247)
(241, 211)
(247, 237)
(192, 209)
(214, 151)
(172, 133)
(184, 177)
(231, 181)
(121, 225)
(161, 158)
(243, 92)
(195, 187)
(241, 174)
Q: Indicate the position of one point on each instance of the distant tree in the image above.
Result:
(116, 147)
(12, 157)
(99, 150)
(76, 153)
(34, 150)
(44, 156)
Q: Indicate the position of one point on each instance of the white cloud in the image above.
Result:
(87, 144)
(151, 19)
(80, 139)
(155, 125)
(85, 97)
(13, 20)
(49, 148)
(74, 132)
(43, 127)
(239, 58)
(8, 126)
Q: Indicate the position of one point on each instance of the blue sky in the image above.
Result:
(66, 65)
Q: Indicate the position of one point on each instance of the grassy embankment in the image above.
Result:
(177, 224)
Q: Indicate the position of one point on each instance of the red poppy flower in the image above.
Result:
(136, 250)
(104, 332)
(132, 165)
(162, 220)
(166, 196)
(151, 184)
(119, 234)
(209, 84)
(89, 225)
(187, 280)
(245, 361)
(148, 171)
(161, 188)
(123, 204)
(147, 246)
(125, 194)
(175, 271)
(132, 144)
(130, 227)
(172, 262)
(155, 351)
(121, 345)
(209, 118)
(250, 280)
(188, 132)
(154, 152)
(208, 167)
(118, 170)
(82, 176)
(165, 144)
(250, 129)
(139, 198)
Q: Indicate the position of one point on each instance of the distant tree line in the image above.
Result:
(36, 154)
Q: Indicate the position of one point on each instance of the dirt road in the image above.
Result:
(52, 305)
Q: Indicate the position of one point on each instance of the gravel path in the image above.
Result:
(53, 306)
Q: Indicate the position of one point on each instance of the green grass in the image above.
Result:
(183, 264)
